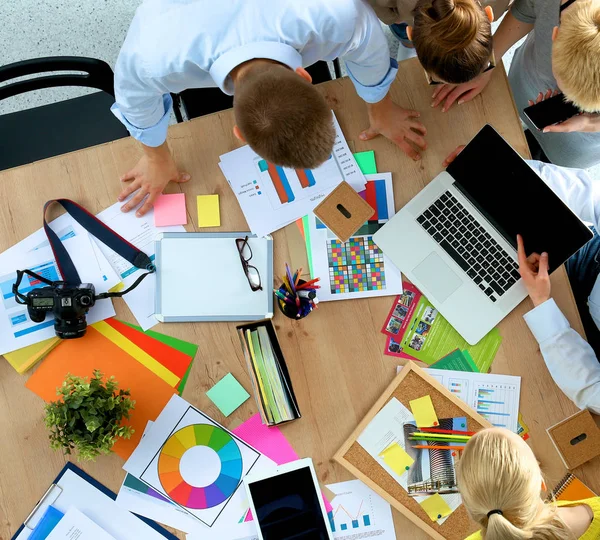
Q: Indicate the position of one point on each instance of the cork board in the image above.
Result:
(576, 438)
(411, 383)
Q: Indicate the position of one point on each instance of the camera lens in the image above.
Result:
(85, 300)
(71, 329)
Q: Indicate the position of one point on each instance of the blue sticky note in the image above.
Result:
(49, 520)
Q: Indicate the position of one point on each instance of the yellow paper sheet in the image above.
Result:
(208, 211)
(27, 357)
(424, 412)
(436, 507)
(118, 287)
(397, 459)
(139, 354)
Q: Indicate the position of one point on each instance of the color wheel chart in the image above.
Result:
(281, 183)
(172, 469)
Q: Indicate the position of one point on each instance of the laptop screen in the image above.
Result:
(515, 199)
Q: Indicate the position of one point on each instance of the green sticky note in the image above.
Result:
(228, 394)
(308, 245)
(366, 162)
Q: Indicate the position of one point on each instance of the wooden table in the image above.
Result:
(335, 356)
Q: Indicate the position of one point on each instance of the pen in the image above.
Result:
(307, 294)
(449, 431)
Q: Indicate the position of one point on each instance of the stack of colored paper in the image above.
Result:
(27, 357)
(152, 366)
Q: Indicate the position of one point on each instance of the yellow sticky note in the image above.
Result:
(208, 211)
(436, 507)
(424, 412)
(118, 287)
(397, 459)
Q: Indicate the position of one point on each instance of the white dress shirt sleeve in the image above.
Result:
(142, 104)
(368, 61)
(569, 358)
(581, 194)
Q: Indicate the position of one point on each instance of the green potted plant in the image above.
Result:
(88, 416)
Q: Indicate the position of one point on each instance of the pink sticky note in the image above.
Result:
(272, 443)
(170, 210)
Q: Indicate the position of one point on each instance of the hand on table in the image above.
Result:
(584, 122)
(534, 271)
(149, 177)
(464, 92)
(397, 124)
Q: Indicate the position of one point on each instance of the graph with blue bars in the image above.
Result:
(351, 516)
(494, 403)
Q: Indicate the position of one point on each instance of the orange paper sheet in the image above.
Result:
(94, 351)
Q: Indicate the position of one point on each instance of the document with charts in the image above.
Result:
(495, 397)
(271, 197)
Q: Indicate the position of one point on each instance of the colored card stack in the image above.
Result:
(151, 365)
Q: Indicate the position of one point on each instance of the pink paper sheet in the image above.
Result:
(272, 443)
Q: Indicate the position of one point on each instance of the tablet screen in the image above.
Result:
(515, 200)
(287, 506)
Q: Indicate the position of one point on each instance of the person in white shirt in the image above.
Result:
(571, 360)
(257, 49)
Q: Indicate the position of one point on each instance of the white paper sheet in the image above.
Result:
(268, 209)
(357, 268)
(495, 397)
(16, 328)
(143, 464)
(75, 525)
(140, 232)
(73, 490)
(358, 512)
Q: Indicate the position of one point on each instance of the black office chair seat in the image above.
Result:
(50, 130)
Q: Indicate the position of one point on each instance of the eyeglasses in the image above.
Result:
(491, 65)
(252, 273)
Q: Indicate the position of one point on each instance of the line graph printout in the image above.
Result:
(495, 397)
(358, 512)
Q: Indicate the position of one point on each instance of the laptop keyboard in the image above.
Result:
(457, 232)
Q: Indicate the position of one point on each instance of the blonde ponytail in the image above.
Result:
(498, 471)
(452, 38)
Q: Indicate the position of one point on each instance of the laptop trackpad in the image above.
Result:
(438, 276)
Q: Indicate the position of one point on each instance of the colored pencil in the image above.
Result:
(289, 276)
(309, 283)
(425, 437)
(298, 274)
(448, 431)
(439, 435)
(427, 447)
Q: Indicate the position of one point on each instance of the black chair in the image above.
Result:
(65, 126)
(197, 102)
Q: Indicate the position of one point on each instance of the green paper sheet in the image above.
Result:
(228, 394)
(456, 361)
(187, 348)
(308, 250)
(366, 162)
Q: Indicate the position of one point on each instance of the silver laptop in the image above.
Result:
(456, 240)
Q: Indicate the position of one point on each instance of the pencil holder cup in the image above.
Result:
(291, 310)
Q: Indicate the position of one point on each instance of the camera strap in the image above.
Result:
(103, 233)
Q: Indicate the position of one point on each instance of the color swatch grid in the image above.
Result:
(355, 265)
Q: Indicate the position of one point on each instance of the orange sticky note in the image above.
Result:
(170, 210)
(436, 507)
(208, 211)
(93, 351)
(397, 459)
(424, 412)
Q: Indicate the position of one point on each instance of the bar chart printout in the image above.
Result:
(494, 402)
(358, 512)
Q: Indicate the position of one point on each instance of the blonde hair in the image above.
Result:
(453, 38)
(283, 117)
(576, 54)
(498, 471)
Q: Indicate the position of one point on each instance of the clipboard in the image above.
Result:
(200, 278)
(102, 509)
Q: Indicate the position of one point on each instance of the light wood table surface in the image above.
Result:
(335, 356)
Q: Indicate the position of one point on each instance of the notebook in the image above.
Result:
(200, 277)
(570, 488)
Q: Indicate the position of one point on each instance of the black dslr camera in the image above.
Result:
(68, 304)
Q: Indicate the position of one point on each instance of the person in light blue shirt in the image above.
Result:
(257, 50)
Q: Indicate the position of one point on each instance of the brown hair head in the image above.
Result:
(283, 117)
(453, 38)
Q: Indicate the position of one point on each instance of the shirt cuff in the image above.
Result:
(546, 321)
(151, 136)
(520, 16)
(375, 93)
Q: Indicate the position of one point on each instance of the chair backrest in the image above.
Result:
(97, 74)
